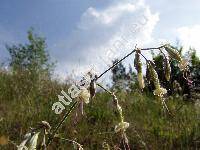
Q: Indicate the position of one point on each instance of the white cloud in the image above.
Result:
(189, 37)
(116, 28)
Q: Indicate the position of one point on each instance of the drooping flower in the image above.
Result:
(153, 74)
(45, 125)
(33, 141)
(138, 67)
(173, 53)
(122, 126)
(30, 139)
(183, 65)
(159, 91)
(84, 95)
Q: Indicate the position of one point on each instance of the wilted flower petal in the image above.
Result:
(122, 126)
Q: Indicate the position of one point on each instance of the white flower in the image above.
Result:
(22, 146)
(84, 95)
(122, 126)
(159, 91)
(33, 141)
(29, 139)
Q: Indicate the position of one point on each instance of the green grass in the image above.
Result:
(150, 126)
(23, 105)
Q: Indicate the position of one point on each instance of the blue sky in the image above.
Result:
(79, 33)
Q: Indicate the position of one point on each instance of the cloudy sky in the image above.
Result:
(85, 34)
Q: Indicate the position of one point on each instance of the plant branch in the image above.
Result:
(144, 49)
(75, 103)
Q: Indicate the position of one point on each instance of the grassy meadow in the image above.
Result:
(150, 126)
(27, 93)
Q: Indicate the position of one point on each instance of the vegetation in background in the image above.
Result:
(27, 93)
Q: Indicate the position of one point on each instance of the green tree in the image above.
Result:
(121, 78)
(195, 67)
(30, 65)
(31, 57)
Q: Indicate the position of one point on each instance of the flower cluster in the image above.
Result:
(159, 91)
(121, 127)
(174, 54)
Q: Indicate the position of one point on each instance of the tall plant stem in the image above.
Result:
(61, 122)
(75, 103)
